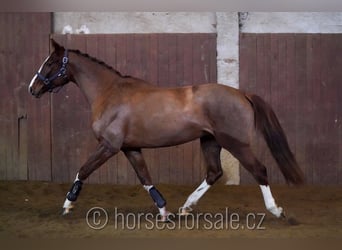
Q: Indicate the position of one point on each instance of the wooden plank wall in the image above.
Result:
(162, 59)
(300, 76)
(23, 120)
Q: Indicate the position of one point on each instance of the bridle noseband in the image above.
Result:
(60, 73)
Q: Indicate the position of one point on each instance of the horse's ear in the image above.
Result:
(55, 45)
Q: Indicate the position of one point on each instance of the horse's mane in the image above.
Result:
(78, 52)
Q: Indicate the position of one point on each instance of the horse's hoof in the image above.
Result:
(165, 217)
(66, 210)
(282, 215)
(184, 211)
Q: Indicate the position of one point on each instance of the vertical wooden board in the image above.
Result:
(12, 167)
(315, 96)
(152, 59)
(121, 48)
(213, 58)
(243, 62)
(11, 127)
(181, 47)
(252, 57)
(172, 48)
(261, 66)
(321, 112)
(300, 83)
(335, 92)
(329, 133)
(136, 56)
(200, 65)
(144, 45)
(22, 96)
(338, 120)
(4, 119)
(307, 102)
(132, 60)
(19, 84)
(7, 121)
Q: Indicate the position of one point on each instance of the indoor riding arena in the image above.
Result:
(293, 61)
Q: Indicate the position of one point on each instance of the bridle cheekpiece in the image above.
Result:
(61, 73)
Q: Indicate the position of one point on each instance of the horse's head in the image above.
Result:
(53, 73)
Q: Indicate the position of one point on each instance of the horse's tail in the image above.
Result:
(267, 122)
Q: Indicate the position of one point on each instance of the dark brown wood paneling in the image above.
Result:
(162, 59)
(299, 75)
(24, 121)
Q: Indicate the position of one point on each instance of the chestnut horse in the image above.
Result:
(129, 114)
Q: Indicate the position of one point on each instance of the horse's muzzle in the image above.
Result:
(35, 94)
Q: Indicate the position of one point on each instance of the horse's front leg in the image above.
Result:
(136, 158)
(103, 152)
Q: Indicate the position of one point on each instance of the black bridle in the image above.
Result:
(60, 73)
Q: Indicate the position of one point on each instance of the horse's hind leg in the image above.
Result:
(246, 157)
(211, 151)
(136, 158)
(103, 152)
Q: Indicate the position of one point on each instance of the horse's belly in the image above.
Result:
(163, 134)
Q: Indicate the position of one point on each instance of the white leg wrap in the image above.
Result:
(68, 205)
(162, 211)
(269, 201)
(147, 187)
(196, 195)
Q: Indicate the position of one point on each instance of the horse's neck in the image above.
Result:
(92, 78)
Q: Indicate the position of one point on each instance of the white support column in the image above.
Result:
(228, 74)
